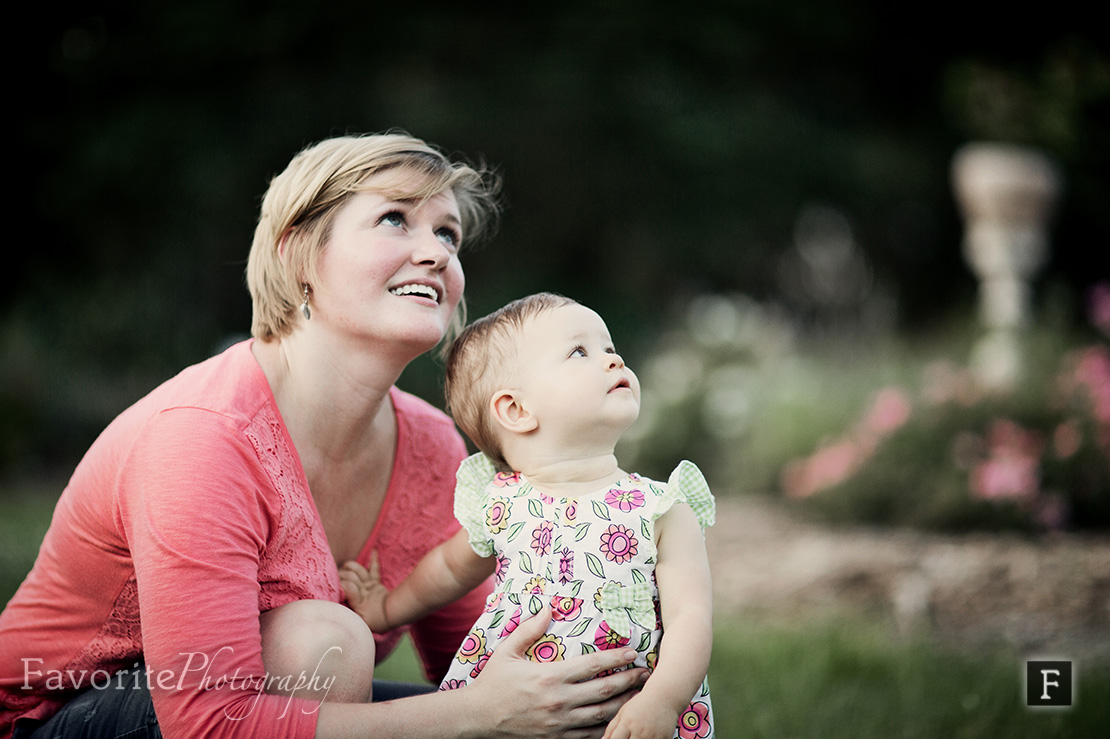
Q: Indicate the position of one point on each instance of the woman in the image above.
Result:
(193, 556)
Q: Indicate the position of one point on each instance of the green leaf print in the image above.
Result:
(600, 509)
(588, 649)
(647, 529)
(645, 642)
(576, 588)
(525, 563)
(581, 627)
(595, 565)
(638, 576)
(580, 531)
(535, 508)
(514, 530)
(497, 619)
(535, 605)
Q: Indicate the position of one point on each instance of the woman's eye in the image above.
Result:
(450, 237)
(393, 218)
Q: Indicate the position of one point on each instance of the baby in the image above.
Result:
(618, 558)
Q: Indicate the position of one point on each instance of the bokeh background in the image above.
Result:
(664, 163)
(650, 153)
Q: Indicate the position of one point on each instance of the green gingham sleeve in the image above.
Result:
(472, 483)
(687, 485)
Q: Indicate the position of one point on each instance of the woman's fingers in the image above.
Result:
(526, 634)
(589, 666)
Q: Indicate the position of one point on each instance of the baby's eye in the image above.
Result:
(579, 351)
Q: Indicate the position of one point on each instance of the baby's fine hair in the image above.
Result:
(478, 362)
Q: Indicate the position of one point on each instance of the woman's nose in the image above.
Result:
(431, 251)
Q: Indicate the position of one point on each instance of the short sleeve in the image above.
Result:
(472, 483)
(687, 485)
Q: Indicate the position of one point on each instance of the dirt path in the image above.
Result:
(1049, 596)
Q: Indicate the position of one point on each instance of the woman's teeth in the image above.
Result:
(421, 290)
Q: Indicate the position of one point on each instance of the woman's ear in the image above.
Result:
(284, 242)
(508, 409)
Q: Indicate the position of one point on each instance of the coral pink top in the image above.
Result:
(188, 517)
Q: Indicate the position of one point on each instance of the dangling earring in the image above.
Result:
(304, 305)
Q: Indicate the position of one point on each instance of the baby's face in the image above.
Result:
(571, 375)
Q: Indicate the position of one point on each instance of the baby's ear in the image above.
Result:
(508, 409)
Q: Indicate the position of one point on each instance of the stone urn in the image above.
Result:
(1007, 195)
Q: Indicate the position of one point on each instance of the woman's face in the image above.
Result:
(390, 271)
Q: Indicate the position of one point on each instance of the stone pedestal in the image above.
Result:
(1007, 195)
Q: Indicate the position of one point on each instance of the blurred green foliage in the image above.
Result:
(651, 152)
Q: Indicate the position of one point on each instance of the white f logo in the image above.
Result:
(1047, 682)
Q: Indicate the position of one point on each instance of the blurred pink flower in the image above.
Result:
(1012, 467)
(1098, 307)
(1006, 477)
(1067, 439)
(945, 382)
(889, 410)
(829, 465)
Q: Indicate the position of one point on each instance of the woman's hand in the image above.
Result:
(565, 699)
(365, 592)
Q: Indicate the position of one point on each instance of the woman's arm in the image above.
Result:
(444, 575)
(686, 600)
(511, 698)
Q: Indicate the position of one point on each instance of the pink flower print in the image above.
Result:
(512, 623)
(535, 585)
(480, 665)
(452, 684)
(606, 638)
(618, 544)
(541, 539)
(548, 649)
(506, 479)
(502, 568)
(694, 721)
(625, 500)
(547, 499)
(497, 514)
(473, 646)
(566, 565)
(494, 601)
(565, 608)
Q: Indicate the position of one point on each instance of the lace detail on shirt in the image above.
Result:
(120, 640)
(297, 563)
(419, 512)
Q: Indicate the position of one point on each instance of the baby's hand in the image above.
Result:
(365, 593)
(643, 718)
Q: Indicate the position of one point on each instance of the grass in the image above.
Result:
(840, 679)
(791, 679)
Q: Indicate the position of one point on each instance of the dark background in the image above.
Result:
(651, 151)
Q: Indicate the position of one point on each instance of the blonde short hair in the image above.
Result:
(478, 363)
(301, 202)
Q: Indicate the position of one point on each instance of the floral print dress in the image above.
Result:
(591, 558)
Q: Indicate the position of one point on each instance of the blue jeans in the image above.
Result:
(125, 710)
